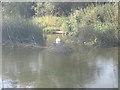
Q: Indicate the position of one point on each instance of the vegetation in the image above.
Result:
(93, 25)
(19, 31)
(52, 23)
(96, 25)
(15, 9)
(86, 23)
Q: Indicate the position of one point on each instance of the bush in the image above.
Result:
(95, 24)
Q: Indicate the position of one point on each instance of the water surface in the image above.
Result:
(86, 67)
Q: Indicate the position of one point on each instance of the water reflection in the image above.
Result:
(86, 67)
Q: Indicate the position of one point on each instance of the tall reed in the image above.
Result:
(18, 30)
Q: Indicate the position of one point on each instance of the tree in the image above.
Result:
(22, 9)
(56, 8)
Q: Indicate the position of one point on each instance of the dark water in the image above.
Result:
(86, 67)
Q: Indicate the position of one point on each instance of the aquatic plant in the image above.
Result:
(18, 30)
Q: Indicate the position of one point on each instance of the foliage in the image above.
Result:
(17, 30)
(56, 8)
(91, 23)
(42, 8)
(13, 9)
(95, 25)
(51, 23)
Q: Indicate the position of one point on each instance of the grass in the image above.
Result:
(51, 23)
(18, 30)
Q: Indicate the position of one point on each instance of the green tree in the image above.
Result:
(22, 9)
(59, 8)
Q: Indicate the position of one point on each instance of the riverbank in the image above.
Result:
(70, 43)
(23, 45)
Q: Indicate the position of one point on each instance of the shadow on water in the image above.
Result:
(86, 67)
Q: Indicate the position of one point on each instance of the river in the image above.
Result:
(85, 67)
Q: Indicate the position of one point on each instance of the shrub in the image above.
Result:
(95, 24)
